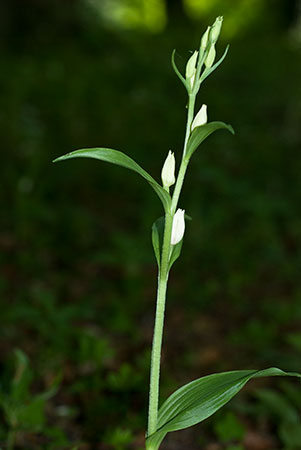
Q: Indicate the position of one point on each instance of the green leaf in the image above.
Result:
(31, 416)
(20, 386)
(157, 240)
(157, 237)
(208, 71)
(278, 404)
(198, 400)
(120, 159)
(178, 73)
(229, 428)
(290, 435)
(199, 134)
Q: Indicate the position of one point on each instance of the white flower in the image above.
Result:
(168, 170)
(200, 118)
(178, 227)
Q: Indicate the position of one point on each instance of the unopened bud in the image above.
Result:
(191, 69)
(200, 119)
(204, 40)
(216, 29)
(168, 170)
(210, 57)
(178, 227)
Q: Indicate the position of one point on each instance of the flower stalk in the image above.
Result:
(163, 280)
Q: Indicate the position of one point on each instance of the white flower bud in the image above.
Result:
(200, 118)
(210, 57)
(204, 40)
(190, 66)
(216, 29)
(178, 227)
(191, 69)
(168, 170)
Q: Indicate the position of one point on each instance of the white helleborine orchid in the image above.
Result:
(168, 170)
(178, 227)
(200, 118)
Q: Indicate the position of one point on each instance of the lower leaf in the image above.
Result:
(198, 400)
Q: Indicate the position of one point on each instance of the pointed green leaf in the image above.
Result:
(175, 68)
(120, 159)
(208, 71)
(157, 237)
(199, 134)
(198, 400)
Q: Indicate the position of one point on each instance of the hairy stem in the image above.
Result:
(158, 330)
(184, 162)
(162, 283)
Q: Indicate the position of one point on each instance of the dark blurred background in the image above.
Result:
(78, 275)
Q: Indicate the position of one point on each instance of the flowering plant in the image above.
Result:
(195, 401)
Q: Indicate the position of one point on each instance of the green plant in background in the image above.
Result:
(22, 411)
(228, 428)
(285, 406)
(201, 398)
(119, 438)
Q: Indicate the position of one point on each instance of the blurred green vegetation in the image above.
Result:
(78, 276)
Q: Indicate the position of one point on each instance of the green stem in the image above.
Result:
(184, 162)
(158, 330)
(162, 283)
(190, 115)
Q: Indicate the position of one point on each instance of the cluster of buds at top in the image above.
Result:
(209, 39)
(207, 51)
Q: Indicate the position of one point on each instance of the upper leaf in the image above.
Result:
(209, 70)
(201, 398)
(199, 134)
(120, 159)
(175, 68)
